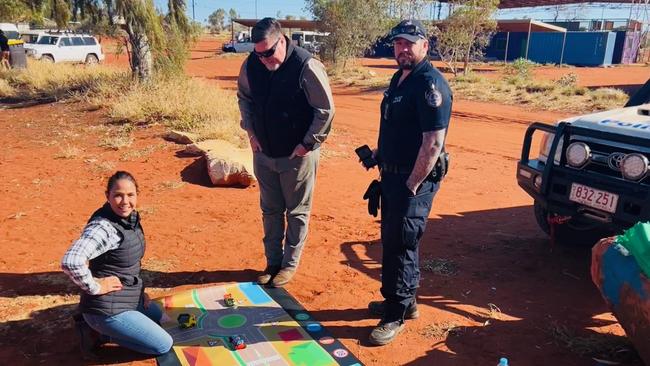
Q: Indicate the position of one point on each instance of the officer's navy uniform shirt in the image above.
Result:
(421, 103)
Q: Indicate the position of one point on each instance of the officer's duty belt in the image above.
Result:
(396, 169)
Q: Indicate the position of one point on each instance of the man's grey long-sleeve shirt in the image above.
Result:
(314, 82)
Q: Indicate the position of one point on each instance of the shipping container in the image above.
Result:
(589, 48)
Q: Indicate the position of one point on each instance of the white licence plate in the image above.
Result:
(593, 197)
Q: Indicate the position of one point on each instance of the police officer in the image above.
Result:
(415, 114)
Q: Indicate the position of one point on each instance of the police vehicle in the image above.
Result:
(592, 175)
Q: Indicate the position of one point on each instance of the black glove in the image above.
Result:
(373, 195)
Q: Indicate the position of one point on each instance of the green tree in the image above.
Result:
(13, 11)
(217, 20)
(157, 43)
(354, 26)
(61, 13)
(467, 31)
(232, 14)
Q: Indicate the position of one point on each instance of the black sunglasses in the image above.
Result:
(407, 29)
(268, 53)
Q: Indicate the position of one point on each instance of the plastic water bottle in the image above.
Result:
(503, 362)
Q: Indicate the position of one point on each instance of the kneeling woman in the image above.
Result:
(105, 263)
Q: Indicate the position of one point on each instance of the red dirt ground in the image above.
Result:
(198, 234)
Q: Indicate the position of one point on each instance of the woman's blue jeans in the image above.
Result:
(135, 330)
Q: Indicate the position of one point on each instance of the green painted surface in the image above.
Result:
(310, 354)
(232, 321)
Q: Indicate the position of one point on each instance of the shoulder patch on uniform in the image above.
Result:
(433, 96)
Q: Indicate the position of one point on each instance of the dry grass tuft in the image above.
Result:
(440, 266)
(133, 154)
(116, 142)
(358, 76)
(68, 152)
(561, 95)
(186, 105)
(41, 79)
(442, 330)
(6, 90)
(171, 184)
(602, 346)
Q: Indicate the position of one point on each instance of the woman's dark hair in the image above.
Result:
(120, 174)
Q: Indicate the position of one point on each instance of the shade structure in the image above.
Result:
(510, 4)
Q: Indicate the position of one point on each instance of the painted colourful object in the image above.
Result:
(637, 241)
(626, 289)
(267, 327)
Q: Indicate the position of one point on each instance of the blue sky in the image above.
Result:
(247, 9)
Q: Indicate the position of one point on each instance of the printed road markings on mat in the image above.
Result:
(277, 330)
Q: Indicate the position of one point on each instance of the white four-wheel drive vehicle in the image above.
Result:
(592, 175)
(66, 47)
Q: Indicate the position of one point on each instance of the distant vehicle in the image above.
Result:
(10, 30)
(32, 36)
(238, 47)
(66, 47)
(592, 174)
(311, 41)
(240, 44)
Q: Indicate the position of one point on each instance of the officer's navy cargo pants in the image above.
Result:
(403, 220)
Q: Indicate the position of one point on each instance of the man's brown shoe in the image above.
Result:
(283, 277)
(268, 274)
(378, 308)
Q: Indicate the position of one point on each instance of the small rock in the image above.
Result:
(180, 137)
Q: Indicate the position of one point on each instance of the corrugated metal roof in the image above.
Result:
(509, 4)
(294, 23)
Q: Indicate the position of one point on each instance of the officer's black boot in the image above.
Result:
(385, 332)
(378, 308)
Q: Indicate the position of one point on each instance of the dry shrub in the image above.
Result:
(68, 152)
(183, 104)
(543, 95)
(41, 79)
(568, 80)
(354, 75)
(6, 90)
(601, 346)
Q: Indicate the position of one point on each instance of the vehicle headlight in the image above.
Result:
(545, 148)
(634, 166)
(578, 154)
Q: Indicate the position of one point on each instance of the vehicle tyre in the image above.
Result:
(576, 231)
(91, 60)
(47, 58)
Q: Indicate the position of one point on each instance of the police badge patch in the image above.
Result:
(433, 97)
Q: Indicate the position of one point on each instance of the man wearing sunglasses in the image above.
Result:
(286, 107)
(415, 113)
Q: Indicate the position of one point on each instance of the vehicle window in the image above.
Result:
(295, 36)
(77, 41)
(65, 41)
(12, 34)
(48, 40)
(90, 41)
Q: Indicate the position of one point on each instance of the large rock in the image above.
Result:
(227, 164)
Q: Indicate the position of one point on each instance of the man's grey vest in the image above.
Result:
(282, 113)
(123, 262)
